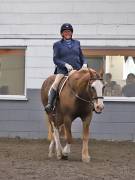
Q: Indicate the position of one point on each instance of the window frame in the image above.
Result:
(17, 97)
(111, 51)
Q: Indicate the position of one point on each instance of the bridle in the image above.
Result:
(94, 79)
(91, 101)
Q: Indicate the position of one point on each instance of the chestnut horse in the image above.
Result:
(79, 96)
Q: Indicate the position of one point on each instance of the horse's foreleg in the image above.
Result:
(68, 135)
(85, 151)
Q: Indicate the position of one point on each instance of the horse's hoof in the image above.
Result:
(86, 160)
(50, 155)
(64, 157)
(59, 156)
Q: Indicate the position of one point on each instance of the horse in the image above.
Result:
(79, 96)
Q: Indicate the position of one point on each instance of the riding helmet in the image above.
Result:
(66, 26)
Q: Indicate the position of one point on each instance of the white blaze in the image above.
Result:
(98, 86)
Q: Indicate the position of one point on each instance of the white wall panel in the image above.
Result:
(75, 18)
(33, 83)
(36, 76)
(59, 6)
(126, 30)
(43, 29)
(49, 18)
(38, 7)
(38, 72)
(27, 42)
(107, 29)
(113, 18)
(106, 6)
(39, 51)
(40, 42)
(102, 29)
(131, 18)
(44, 62)
(13, 42)
(28, 29)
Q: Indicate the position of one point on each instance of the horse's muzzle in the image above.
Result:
(98, 112)
(98, 109)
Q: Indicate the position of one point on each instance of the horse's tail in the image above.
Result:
(49, 128)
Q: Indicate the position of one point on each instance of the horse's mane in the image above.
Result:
(85, 74)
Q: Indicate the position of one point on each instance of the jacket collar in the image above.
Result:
(65, 44)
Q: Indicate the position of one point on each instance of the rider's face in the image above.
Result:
(67, 34)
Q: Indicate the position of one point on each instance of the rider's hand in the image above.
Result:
(69, 67)
(84, 66)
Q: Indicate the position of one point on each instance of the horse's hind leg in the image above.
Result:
(50, 138)
(55, 141)
(51, 148)
(53, 136)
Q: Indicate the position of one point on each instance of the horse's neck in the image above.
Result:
(81, 85)
(83, 88)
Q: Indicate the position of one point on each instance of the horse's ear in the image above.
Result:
(92, 72)
(101, 72)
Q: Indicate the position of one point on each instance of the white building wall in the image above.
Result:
(36, 24)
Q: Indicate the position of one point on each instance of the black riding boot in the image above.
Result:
(51, 99)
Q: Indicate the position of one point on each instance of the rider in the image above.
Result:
(67, 55)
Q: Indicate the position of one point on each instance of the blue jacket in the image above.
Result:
(72, 55)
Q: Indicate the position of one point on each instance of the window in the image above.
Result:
(118, 66)
(12, 72)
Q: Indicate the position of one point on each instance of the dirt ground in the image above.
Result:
(28, 160)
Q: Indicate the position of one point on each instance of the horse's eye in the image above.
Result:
(92, 88)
